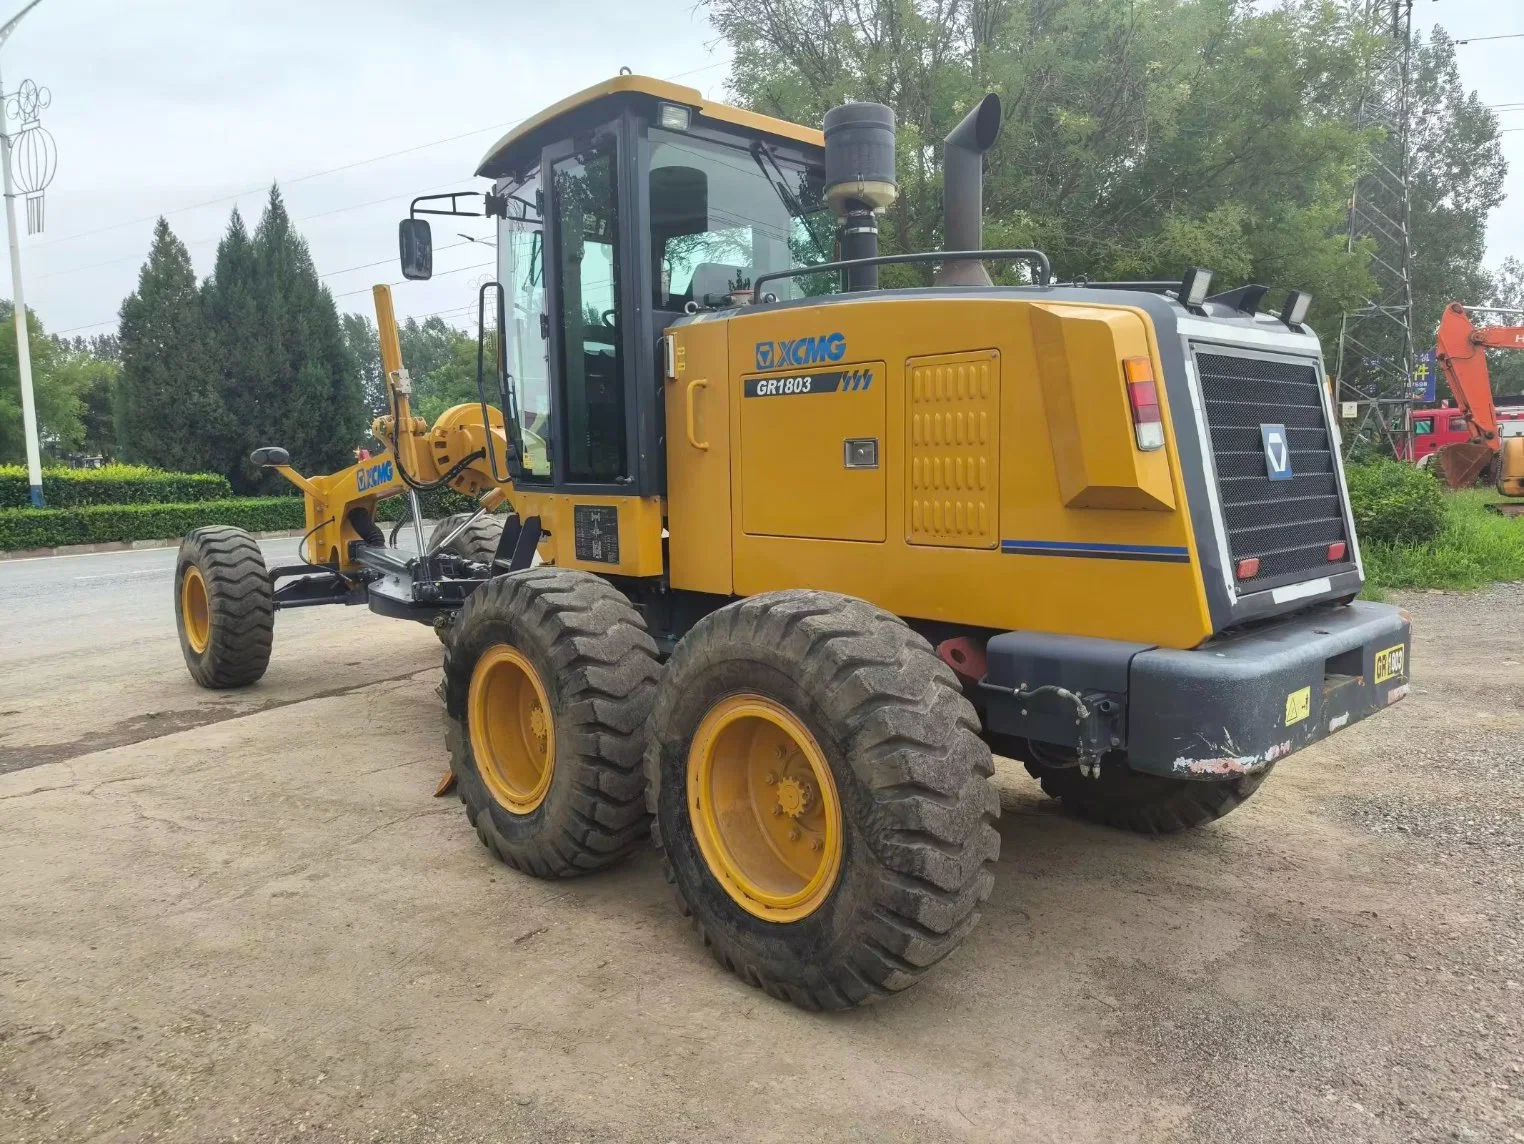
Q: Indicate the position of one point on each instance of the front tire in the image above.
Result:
(479, 540)
(1143, 803)
(548, 683)
(822, 797)
(224, 607)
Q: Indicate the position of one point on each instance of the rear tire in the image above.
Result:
(908, 790)
(554, 786)
(1145, 804)
(224, 607)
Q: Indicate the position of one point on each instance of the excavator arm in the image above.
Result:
(1461, 351)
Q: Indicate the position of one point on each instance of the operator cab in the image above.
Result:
(619, 210)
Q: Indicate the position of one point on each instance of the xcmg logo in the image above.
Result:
(801, 351)
(373, 476)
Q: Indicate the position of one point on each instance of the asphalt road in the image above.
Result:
(242, 916)
(85, 662)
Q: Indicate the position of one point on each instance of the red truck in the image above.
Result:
(1443, 424)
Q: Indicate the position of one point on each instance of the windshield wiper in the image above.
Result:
(780, 187)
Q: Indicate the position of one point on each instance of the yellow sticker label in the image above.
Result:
(1391, 663)
(1298, 705)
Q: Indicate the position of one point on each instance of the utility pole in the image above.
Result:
(23, 342)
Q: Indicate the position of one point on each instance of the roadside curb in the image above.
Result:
(125, 545)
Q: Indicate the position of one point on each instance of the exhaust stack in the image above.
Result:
(963, 192)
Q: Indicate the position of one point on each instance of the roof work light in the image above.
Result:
(1294, 312)
(1194, 286)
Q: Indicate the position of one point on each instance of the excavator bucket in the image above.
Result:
(1462, 462)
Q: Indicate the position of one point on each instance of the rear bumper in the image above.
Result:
(1231, 707)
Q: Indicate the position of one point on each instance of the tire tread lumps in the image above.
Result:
(912, 742)
(240, 602)
(1144, 803)
(606, 670)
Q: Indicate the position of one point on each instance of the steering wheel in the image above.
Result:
(608, 317)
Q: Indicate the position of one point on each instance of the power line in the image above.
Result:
(287, 183)
(330, 274)
(441, 274)
(1479, 39)
(328, 171)
(319, 214)
(194, 242)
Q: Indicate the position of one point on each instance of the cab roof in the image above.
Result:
(520, 148)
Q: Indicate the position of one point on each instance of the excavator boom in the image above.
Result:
(1461, 350)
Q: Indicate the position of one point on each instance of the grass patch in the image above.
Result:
(1473, 547)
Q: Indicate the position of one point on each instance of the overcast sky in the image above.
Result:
(162, 105)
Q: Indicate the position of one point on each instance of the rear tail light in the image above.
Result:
(1143, 396)
(1247, 568)
(1336, 550)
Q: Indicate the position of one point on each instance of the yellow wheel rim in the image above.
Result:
(194, 610)
(513, 737)
(764, 808)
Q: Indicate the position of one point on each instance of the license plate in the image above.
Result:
(1391, 663)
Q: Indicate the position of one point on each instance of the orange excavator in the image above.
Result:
(1461, 349)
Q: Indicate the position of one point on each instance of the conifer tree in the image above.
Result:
(287, 378)
(170, 413)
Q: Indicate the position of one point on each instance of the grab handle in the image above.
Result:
(688, 396)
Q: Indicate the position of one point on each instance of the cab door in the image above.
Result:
(602, 508)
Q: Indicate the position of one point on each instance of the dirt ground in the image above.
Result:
(252, 922)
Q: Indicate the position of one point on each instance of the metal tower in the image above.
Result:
(1375, 359)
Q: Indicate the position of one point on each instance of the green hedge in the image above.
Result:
(48, 527)
(1395, 503)
(112, 485)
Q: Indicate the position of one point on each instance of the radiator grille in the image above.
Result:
(1287, 524)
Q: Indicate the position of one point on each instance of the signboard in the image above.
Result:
(1421, 384)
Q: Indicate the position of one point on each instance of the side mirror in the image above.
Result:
(415, 245)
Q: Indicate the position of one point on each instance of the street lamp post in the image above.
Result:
(23, 342)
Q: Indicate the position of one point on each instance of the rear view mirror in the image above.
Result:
(415, 245)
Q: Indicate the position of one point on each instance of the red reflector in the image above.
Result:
(1248, 568)
(1336, 550)
(1144, 396)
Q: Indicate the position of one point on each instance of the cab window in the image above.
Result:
(588, 260)
(721, 215)
(1423, 426)
(1457, 425)
(521, 270)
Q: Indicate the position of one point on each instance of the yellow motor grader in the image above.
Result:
(789, 554)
